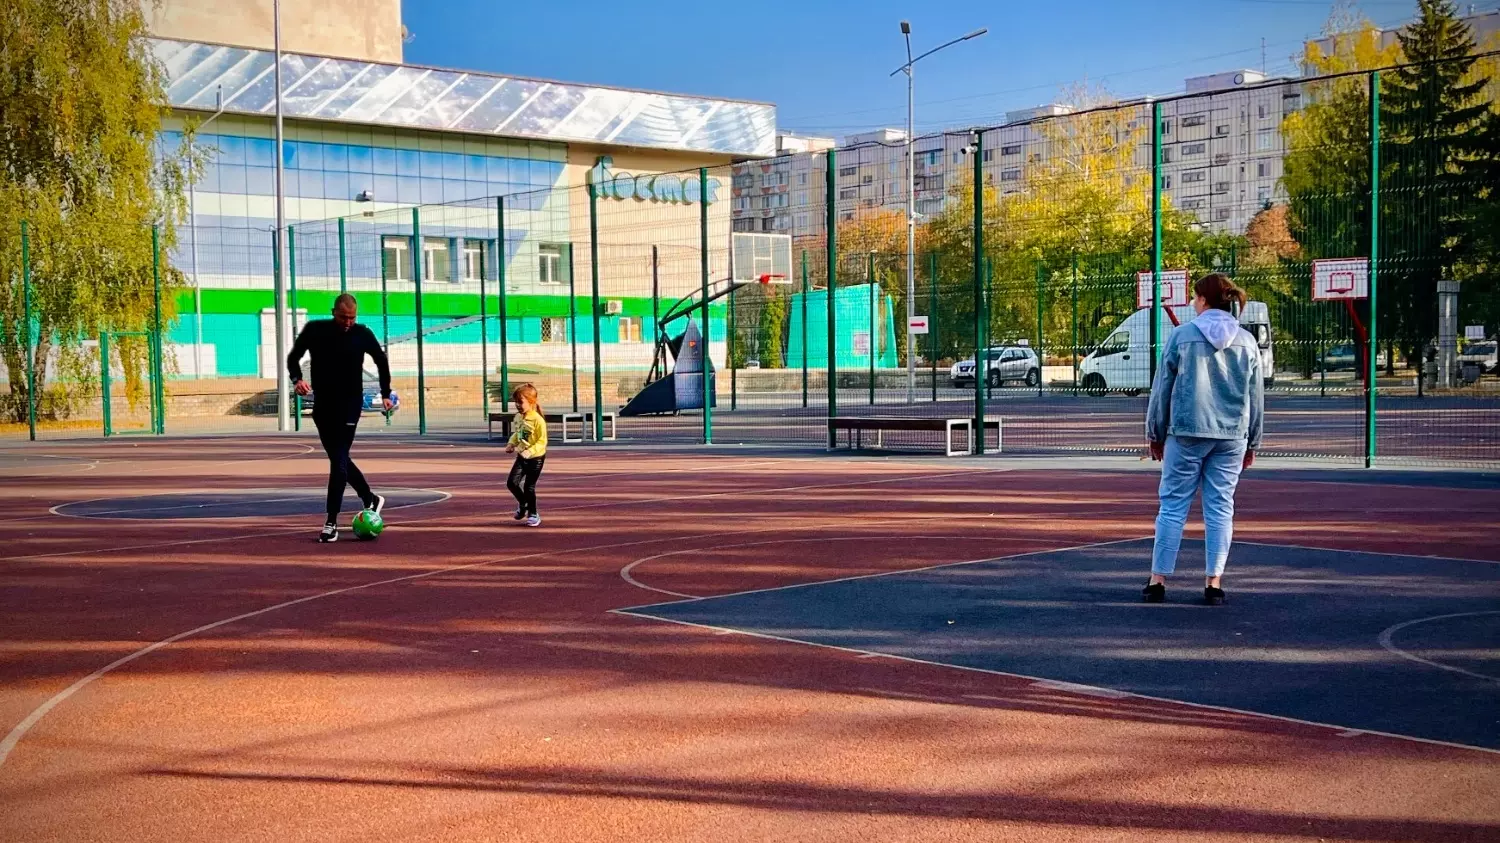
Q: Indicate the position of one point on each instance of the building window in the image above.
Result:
(1010, 174)
(1261, 110)
(867, 180)
(848, 193)
(1013, 149)
(395, 258)
(1194, 176)
(550, 267)
(1166, 126)
(1221, 131)
(802, 178)
(989, 155)
(1221, 214)
(1194, 120)
(1192, 204)
(554, 329)
(1291, 102)
(1166, 182)
(1265, 139)
(1263, 194)
(801, 222)
(1194, 148)
(1261, 169)
(848, 171)
(473, 260)
(768, 224)
(630, 329)
(435, 254)
(1166, 155)
(846, 216)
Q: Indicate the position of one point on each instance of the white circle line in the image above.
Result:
(626, 572)
(1387, 637)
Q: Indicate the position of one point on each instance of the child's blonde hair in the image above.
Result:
(528, 392)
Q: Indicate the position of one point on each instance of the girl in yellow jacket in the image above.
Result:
(529, 443)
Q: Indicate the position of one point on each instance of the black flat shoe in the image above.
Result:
(1154, 593)
(1213, 596)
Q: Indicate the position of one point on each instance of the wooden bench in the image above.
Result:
(855, 426)
(563, 419)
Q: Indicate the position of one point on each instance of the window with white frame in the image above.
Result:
(435, 254)
(550, 266)
(473, 260)
(554, 329)
(1265, 139)
(1194, 148)
(1010, 174)
(1012, 149)
(395, 258)
(1262, 194)
(1194, 176)
(1192, 120)
(1262, 169)
(630, 329)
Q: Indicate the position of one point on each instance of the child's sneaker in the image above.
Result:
(520, 514)
(533, 520)
(330, 533)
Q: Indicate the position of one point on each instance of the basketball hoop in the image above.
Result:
(773, 278)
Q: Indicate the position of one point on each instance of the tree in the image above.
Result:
(1431, 121)
(81, 102)
(874, 242)
(770, 343)
(1268, 239)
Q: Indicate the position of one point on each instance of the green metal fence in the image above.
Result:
(1050, 257)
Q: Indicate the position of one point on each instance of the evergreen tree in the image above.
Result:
(1431, 114)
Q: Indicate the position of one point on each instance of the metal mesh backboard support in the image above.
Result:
(756, 256)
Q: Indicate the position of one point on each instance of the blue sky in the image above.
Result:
(825, 63)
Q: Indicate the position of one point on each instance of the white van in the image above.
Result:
(1123, 360)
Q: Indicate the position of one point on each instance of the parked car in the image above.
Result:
(1340, 358)
(1003, 363)
(1123, 360)
(1485, 354)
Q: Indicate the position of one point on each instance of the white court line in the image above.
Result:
(315, 495)
(1387, 635)
(19, 731)
(1368, 552)
(939, 566)
(1097, 690)
(626, 572)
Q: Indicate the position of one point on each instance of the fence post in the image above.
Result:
(1074, 352)
(573, 323)
(1371, 362)
(159, 368)
(343, 261)
(1155, 237)
(708, 390)
(729, 343)
(503, 315)
(416, 277)
(484, 342)
(655, 296)
(870, 278)
(104, 390)
(26, 328)
(291, 294)
(1041, 351)
(594, 277)
(830, 243)
(932, 320)
(804, 328)
(989, 329)
(979, 297)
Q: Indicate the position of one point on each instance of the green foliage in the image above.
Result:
(81, 103)
(770, 339)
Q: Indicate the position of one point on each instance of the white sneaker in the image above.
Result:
(330, 534)
(378, 505)
(534, 521)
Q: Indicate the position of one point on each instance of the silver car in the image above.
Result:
(1005, 363)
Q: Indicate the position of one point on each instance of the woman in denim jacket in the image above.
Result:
(1204, 424)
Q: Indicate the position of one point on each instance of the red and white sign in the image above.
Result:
(1174, 288)
(1341, 278)
(916, 324)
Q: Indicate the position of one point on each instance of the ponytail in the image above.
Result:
(528, 392)
(1220, 292)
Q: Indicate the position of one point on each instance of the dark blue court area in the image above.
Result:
(1370, 642)
(250, 503)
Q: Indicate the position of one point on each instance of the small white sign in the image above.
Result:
(916, 324)
(861, 343)
(1174, 288)
(1473, 332)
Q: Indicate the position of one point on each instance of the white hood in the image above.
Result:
(1218, 327)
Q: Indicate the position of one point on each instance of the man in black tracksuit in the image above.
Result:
(338, 348)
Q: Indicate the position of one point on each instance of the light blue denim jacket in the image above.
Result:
(1209, 383)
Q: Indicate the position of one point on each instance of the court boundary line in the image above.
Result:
(20, 730)
(1370, 552)
(1387, 636)
(861, 653)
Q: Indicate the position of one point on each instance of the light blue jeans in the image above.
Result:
(1188, 464)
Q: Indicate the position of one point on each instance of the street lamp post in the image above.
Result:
(911, 193)
(193, 233)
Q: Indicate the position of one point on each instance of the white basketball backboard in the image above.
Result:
(1174, 288)
(1341, 278)
(761, 258)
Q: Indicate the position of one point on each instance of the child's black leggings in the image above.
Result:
(522, 482)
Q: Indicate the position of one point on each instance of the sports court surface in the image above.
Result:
(734, 644)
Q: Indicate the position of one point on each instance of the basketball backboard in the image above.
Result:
(1174, 288)
(761, 258)
(1341, 278)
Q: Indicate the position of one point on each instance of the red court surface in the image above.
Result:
(463, 678)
